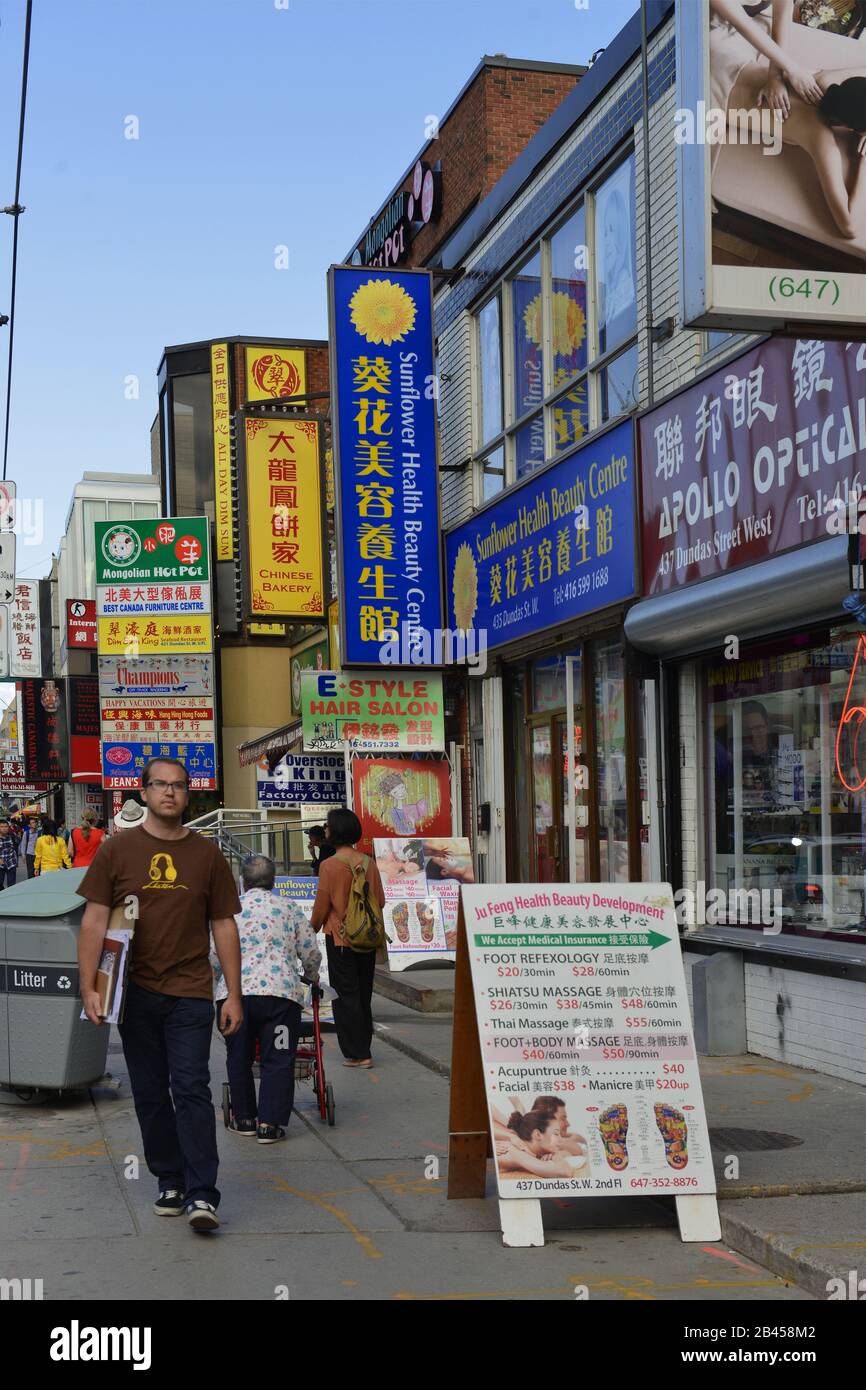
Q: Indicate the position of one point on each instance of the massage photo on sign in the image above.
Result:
(796, 197)
(538, 1142)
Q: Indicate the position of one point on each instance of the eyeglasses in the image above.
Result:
(161, 786)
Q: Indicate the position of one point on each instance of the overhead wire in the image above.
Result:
(15, 212)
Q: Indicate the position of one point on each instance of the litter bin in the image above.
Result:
(43, 1042)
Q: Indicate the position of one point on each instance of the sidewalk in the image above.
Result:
(795, 1200)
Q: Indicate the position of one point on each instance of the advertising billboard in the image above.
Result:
(284, 518)
(181, 676)
(387, 490)
(770, 172)
(222, 450)
(273, 373)
(160, 550)
(370, 713)
(45, 731)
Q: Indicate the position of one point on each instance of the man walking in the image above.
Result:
(8, 855)
(31, 835)
(180, 883)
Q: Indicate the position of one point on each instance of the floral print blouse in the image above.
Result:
(278, 946)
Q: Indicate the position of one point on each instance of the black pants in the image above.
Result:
(350, 973)
(8, 876)
(166, 1043)
(263, 1016)
(31, 865)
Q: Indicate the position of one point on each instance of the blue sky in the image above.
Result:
(261, 123)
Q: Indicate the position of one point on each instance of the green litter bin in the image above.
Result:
(44, 1043)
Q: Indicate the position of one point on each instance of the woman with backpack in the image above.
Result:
(348, 909)
(85, 840)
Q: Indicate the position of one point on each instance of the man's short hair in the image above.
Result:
(258, 871)
(171, 762)
(316, 832)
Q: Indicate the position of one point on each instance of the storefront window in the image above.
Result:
(786, 815)
(514, 689)
(529, 447)
(568, 261)
(493, 473)
(528, 337)
(570, 418)
(610, 735)
(616, 297)
(619, 384)
(193, 445)
(490, 357)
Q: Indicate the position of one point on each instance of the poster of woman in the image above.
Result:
(399, 797)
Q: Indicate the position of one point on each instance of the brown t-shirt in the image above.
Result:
(181, 886)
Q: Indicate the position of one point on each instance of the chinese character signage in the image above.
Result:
(596, 1064)
(149, 676)
(558, 547)
(145, 636)
(13, 778)
(385, 450)
(222, 450)
(302, 780)
(122, 762)
(25, 636)
(171, 550)
(273, 373)
(370, 713)
(284, 517)
(121, 600)
(84, 729)
(158, 717)
(781, 187)
(46, 743)
(80, 624)
(761, 457)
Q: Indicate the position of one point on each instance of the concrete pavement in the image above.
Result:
(350, 1213)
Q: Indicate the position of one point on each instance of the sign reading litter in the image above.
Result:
(371, 713)
(586, 1040)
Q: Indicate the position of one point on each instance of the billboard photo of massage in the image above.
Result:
(773, 96)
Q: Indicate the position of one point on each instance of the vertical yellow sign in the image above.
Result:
(275, 372)
(222, 457)
(285, 518)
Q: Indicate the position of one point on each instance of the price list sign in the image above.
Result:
(587, 1047)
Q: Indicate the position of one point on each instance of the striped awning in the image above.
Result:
(272, 745)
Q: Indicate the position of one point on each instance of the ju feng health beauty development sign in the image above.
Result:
(586, 1040)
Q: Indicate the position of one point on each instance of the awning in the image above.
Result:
(274, 745)
(795, 589)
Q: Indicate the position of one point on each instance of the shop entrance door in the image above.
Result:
(548, 760)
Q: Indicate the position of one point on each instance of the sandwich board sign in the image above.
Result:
(586, 1050)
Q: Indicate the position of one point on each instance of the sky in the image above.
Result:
(260, 124)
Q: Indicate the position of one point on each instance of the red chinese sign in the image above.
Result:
(81, 624)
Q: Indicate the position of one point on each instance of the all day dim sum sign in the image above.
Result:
(370, 713)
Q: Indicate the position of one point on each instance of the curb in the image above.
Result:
(809, 1275)
(431, 1063)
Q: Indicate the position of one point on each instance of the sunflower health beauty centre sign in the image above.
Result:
(588, 1053)
(387, 494)
(556, 548)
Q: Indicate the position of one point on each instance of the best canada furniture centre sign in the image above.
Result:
(586, 1040)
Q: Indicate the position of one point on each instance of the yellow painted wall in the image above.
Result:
(256, 699)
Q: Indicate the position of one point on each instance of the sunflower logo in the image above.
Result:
(569, 323)
(465, 587)
(382, 312)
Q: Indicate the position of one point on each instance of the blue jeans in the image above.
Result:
(263, 1015)
(166, 1043)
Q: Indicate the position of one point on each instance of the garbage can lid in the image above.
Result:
(49, 895)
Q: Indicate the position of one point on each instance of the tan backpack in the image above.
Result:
(364, 927)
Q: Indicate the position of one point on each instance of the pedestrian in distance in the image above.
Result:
(278, 953)
(51, 851)
(85, 840)
(30, 838)
(319, 846)
(179, 882)
(8, 855)
(350, 972)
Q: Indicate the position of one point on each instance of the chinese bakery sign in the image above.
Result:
(284, 517)
(759, 458)
(383, 410)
